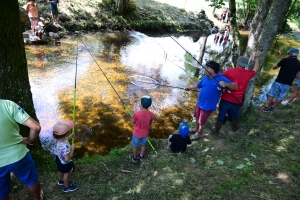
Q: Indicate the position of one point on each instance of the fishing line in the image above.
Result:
(150, 83)
(125, 106)
(164, 32)
(166, 57)
(74, 104)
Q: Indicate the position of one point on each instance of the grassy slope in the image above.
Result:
(265, 149)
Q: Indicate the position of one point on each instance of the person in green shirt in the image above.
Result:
(14, 155)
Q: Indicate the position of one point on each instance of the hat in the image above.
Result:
(62, 127)
(243, 61)
(293, 51)
(41, 24)
(146, 101)
(214, 65)
(183, 129)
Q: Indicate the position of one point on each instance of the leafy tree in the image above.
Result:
(216, 4)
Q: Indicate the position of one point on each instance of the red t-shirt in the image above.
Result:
(241, 77)
(143, 120)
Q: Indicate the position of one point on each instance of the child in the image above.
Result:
(64, 152)
(39, 30)
(142, 120)
(178, 142)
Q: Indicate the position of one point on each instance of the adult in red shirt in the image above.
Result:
(231, 103)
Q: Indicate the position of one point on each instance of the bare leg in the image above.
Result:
(278, 101)
(61, 176)
(201, 128)
(294, 94)
(134, 149)
(36, 190)
(142, 151)
(66, 179)
(33, 25)
(269, 100)
(197, 125)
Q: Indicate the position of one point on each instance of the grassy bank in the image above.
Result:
(144, 15)
(260, 161)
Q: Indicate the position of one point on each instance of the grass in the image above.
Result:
(259, 161)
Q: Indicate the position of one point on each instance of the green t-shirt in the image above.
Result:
(11, 150)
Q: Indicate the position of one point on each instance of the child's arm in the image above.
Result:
(70, 155)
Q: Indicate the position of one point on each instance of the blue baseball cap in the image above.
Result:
(293, 51)
(146, 101)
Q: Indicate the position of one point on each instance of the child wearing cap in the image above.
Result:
(64, 152)
(142, 120)
(178, 142)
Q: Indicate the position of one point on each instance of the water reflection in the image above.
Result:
(101, 120)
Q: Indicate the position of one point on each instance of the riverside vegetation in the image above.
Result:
(259, 161)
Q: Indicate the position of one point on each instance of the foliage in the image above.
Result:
(216, 3)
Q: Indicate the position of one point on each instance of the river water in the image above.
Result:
(106, 62)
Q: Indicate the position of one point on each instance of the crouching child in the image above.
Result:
(178, 142)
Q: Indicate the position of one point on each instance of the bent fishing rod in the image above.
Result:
(125, 106)
(164, 32)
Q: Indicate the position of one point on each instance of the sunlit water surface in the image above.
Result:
(105, 64)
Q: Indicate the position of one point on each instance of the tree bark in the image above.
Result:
(258, 23)
(272, 23)
(202, 51)
(14, 81)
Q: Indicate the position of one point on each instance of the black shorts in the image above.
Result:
(63, 168)
(54, 12)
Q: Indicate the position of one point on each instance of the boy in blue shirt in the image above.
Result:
(211, 87)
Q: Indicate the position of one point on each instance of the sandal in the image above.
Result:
(191, 130)
(193, 137)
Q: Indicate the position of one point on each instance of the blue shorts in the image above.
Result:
(136, 141)
(24, 170)
(297, 82)
(279, 90)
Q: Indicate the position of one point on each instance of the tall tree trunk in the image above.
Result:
(257, 23)
(272, 23)
(247, 14)
(214, 10)
(14, 81)
(233, 23)
(202, 51)
(119, 6)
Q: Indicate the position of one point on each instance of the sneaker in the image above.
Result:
(142, 158)
(285, 102)
(71, 188)
(60, 182)
(134, 160)
(265, 109)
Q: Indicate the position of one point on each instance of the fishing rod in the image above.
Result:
(164, 32)
(125, 106)
(74, 104)
(165, 85)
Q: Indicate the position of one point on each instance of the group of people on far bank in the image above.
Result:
(37, 27)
